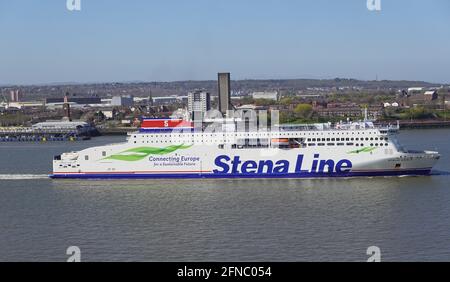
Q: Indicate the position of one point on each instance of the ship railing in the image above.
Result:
(287, 128)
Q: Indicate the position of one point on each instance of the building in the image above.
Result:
(415, 90)
(351, 110)
(430, 95)
(273, 95)
(199, 101)
(62, 125)
(15, 96)
(122, 101)
(168, 100)
(224, 92)
(74, 100)
(388, 105)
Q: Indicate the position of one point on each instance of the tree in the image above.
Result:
(263, 102)
(286, 101)
(303, 111)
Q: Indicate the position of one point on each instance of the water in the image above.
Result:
(221, 220)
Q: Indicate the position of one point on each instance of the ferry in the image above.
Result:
(176, 148)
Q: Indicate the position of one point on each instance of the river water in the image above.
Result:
(408, 218)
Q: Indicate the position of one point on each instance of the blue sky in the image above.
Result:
(145, 40)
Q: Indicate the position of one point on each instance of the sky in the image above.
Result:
(170, 40)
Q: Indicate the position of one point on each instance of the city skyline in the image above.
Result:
(110, 41)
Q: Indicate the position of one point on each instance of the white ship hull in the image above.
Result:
(134, 160)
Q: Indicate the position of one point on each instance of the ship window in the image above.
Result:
(311, 144)
(349, 144)
(104, 154)
(86, 158)
(371, 145)
(330, 144)
(321, 144)
(333, 139)
(340, 144)
(386, 144)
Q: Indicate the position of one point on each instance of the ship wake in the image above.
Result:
(23, 176)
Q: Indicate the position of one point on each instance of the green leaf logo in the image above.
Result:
(363, 150)
(137, 154)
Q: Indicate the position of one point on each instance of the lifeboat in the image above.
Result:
(280, 141)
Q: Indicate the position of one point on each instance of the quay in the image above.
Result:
(48, 131)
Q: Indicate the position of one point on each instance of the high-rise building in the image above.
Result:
(199, 101)
(15, 96)
(224, 92)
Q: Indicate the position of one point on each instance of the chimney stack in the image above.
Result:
(224, 92)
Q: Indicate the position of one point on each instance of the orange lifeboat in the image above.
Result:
(280, 141)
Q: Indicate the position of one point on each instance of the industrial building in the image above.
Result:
(122, 101)
(74, 100)
(273, 95)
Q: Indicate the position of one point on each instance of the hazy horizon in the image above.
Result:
(187, 80)
(144, 41)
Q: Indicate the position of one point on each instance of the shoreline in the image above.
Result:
(430, 124)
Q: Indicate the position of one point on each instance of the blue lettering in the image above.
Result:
(221, 162)
(343, 166)
(324, 163)
(282, 167)
(236, 161)
(235, 166)
(314, 163)
(265, 164)
(249, 167)
(298, 165)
